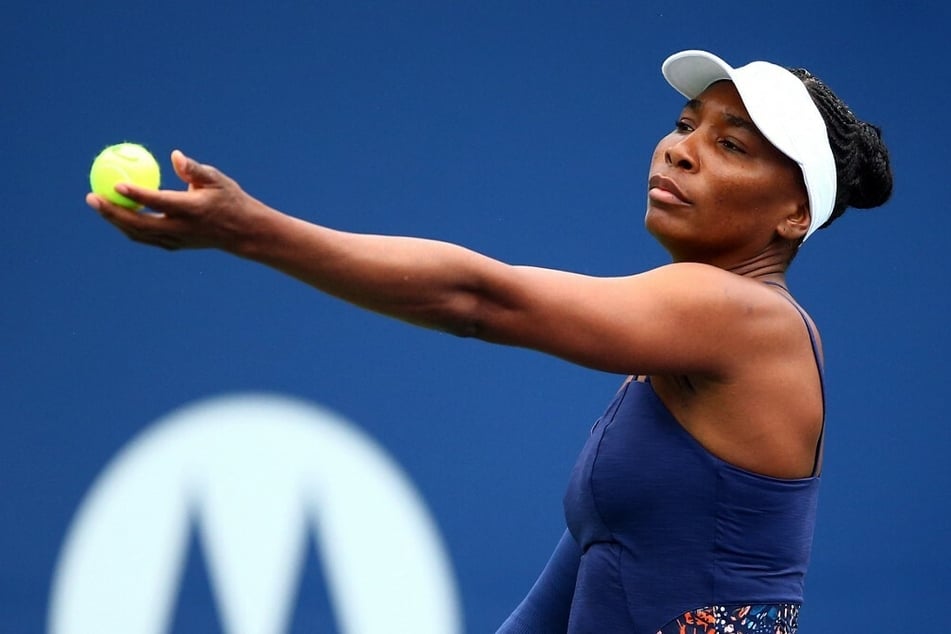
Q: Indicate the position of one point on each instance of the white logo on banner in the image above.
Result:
(257, 476)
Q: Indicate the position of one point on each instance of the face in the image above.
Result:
(719, 191)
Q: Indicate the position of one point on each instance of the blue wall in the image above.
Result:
(522, 130)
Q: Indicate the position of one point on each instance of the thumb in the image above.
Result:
(193, 172)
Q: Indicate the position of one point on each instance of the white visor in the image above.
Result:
(780, 106)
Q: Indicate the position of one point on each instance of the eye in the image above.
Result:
(682, 126)
(731, 146)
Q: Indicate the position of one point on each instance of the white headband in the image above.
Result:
(781, 108)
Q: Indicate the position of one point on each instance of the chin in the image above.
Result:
(662, 229)
(680, 245)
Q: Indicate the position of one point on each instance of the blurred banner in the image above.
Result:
(256, 477)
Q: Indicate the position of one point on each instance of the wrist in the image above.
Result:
(258, 234)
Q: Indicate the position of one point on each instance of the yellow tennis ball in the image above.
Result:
(123, 163)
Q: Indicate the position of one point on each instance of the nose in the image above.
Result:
(681, 154)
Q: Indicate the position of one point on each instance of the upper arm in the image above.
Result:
(677, 319)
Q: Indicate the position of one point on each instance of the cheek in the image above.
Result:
(738, 200)
(775, 193)
(743, 192)
(754, 189)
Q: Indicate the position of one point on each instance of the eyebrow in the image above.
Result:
(695, 105)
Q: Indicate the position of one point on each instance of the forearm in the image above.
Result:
(547, 607)
(426, 282)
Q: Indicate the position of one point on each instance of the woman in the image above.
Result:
(691, 507)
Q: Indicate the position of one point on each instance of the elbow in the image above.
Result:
(467, 329)
(465, 319)
(466, 315)
(473, 309)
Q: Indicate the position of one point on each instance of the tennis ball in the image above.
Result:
(123, 163)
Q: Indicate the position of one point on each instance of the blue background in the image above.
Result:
(520, 129)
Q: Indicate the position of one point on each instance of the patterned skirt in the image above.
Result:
(774, 618)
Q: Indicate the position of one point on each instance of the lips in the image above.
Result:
(663, 189)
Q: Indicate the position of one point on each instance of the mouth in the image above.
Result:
(665, 190)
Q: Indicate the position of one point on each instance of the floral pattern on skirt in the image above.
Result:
(774, 618)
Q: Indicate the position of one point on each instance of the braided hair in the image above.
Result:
(863, 170)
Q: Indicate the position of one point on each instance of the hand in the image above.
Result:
(213, 213)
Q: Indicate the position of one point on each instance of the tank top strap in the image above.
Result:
(820, 365)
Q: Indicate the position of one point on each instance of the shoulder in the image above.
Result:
(703, 288)
(697, 276)
(729, 315)
(676, 319)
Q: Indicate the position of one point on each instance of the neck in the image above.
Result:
(762, 267)
(768, 265)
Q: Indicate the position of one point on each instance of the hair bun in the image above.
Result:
(863, 168)
(871, 185)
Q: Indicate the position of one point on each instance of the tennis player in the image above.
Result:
(692, 505)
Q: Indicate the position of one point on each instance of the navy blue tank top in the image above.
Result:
(660, 526)
(665, 527)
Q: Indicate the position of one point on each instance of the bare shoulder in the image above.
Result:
(730, 319)
(683, 318)
(725, 300)
(758, 402)
(703, 284)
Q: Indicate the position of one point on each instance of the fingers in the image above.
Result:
(182, 219)
(162, 200)
(143, 227)
(195, 173)
(117, 215)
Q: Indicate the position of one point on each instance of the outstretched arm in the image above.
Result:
(427, 282)
(670, 320)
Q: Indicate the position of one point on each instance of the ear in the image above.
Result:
(796, 223)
